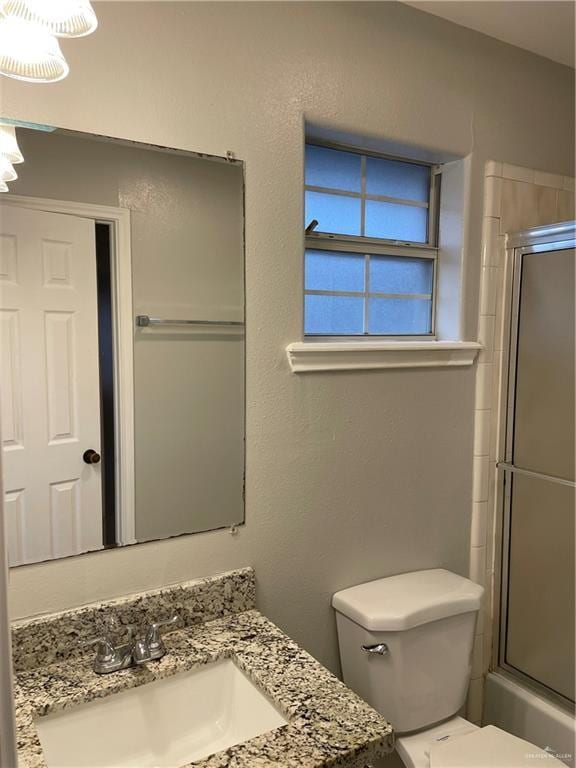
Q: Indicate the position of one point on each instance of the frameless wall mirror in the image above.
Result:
(122, 344)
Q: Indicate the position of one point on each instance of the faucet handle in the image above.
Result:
(105, 643)
(116, 630)
(141, 652)
(104, 647)
(154, 635)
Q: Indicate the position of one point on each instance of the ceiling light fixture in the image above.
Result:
(7, 172)
(29, 52)
(9, 145)
(63, 18)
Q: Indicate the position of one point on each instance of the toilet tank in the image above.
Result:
(426, 622)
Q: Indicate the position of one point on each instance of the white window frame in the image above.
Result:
(368, 246)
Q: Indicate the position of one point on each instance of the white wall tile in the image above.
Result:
(486, 326)
(488, 289)
(500, 292)
(500, 325)
(499, 253)
(475, 700)
(499, 408)
(493, 448)
(484, 375)
(526, 205)
(548, 179)
(490, 234)
(482, 423)
(477, 657)
(565, 206)
(488, 574)
(490, 537)
(495, 437)
(478, 527)
(501, 319)
(491, 483)
(492, 196)
(480, 482)
(486, 649)
(487, 602)
(479, 620)
(517, 173)
(496, 378)
(477, 564)
(493, 168)
(490, 516)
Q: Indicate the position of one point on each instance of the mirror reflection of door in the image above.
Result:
(50, 385)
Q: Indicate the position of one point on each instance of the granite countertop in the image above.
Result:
(328, 724)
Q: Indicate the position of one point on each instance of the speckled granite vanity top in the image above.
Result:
(328, 724)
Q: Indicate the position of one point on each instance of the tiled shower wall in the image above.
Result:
(515, 199)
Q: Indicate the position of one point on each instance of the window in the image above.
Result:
(370, 259)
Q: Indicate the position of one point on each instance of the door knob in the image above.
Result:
(91, 457)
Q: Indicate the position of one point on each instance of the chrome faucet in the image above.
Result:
(111, 657)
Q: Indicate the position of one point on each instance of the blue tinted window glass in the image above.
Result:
(390, 274)
(396, 222)
(399, 316)
(341, 315)
(333, 271)
(334, 213)
(394, 179)
(332, 168)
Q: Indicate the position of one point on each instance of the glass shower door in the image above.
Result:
(537, 623)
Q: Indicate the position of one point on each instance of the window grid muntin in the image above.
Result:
(366, 196)
(430, 205)
(366, 295)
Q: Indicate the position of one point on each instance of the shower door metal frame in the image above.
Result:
(538, 240)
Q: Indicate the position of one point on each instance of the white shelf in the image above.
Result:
(313, 356)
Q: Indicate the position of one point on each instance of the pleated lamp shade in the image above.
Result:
(63, 18)
(7, 172)
(29, 52)
(9, 145)
(3, 186)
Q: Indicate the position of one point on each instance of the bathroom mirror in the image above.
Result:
(122, 344)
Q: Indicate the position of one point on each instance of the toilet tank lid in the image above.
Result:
(408, 600)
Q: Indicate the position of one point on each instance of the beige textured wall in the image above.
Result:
(349, 476)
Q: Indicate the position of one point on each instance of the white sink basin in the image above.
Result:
(164, 724)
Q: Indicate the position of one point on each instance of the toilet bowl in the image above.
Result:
(406, 648)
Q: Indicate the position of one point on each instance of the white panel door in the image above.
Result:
(49, 384)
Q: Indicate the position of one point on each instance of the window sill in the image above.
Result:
(312, 356)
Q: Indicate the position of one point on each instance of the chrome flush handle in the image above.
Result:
(380, 649)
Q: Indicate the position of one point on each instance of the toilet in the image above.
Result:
(406, 648)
